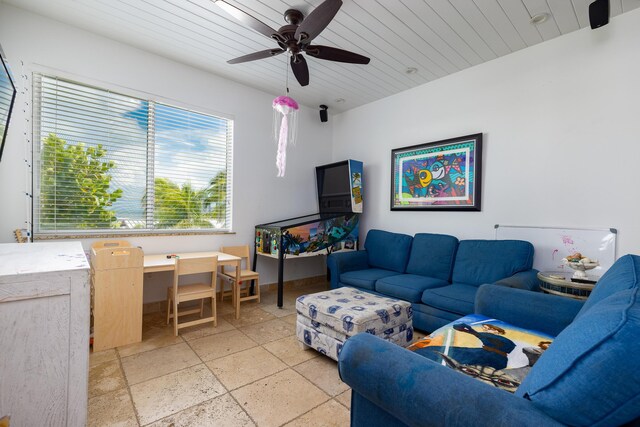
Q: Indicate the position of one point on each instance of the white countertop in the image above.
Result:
(29, 258)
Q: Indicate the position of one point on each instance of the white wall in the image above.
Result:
(46, 45)
(561, 131)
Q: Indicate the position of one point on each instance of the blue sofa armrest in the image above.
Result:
(418, 391)
(532, 310)
(523, 280)
(342, 262)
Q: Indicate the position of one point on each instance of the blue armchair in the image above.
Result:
(590, 375)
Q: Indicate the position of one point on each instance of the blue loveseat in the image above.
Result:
(437, 273)
(589, 375)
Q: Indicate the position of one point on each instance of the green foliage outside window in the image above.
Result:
(75, 183)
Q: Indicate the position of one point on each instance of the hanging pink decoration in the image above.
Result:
(285, 128)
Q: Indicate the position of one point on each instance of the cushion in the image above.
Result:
(365, 279)
(487, 261)
(456, 298)
(432, 255)
(486, 349)
(408, 287)
(623, 274)
(388, 251)
(593, 365)
(351, 311)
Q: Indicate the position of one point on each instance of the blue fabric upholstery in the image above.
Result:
(523, 280)
(404, 387)
(594, 363)
(432, 255)
(531, 310)
(365, 279)
(429, 261)
(456, 298)
(428, 319)
(388, 251)
(345, 261)
(623, 274)
(589, 375)
(487, 261)
(408, 287)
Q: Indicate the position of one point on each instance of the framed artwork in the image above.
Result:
(438, 176)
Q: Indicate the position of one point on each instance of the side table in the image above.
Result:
(559, 283)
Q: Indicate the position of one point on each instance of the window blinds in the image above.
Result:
(107, 162)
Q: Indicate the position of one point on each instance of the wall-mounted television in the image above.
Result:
(7, 99)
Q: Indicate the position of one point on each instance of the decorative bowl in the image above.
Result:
(581, 268)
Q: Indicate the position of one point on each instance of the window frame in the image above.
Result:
(152, 99)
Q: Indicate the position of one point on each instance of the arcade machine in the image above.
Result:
(333, 229)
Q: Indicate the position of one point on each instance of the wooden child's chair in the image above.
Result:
(246, 276)
(177, 294)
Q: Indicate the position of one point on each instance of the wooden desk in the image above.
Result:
(160, 262)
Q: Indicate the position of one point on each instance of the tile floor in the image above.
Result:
(245, 372)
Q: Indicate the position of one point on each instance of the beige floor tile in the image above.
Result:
(152, 338)
(156, 363)
(156, 319)
(245, 367)
(323, 373)
(279, 312)
(279, 398)
(224, 307)
(345, 398)
(291, 318)
(105, 377)
(222, 411)
(329, 414)
(112, 409)
(220, 345)
(269, 331)
(289, 351)
(96, 358)
(206, 329)
(249, 317)
(166, 395)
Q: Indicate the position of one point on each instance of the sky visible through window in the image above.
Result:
(189, 148)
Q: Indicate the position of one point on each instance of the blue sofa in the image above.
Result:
(437, 273)
(589, 375)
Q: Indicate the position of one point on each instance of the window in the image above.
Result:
(111, 163)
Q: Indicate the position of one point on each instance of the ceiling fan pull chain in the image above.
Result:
(286, 66)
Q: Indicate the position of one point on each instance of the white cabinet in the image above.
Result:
(44, 334)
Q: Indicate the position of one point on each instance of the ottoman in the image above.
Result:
(327, 319)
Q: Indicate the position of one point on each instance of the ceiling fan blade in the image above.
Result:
(256, 55)
(300, 69)
(335, 54)
(317, 20)
(248, 20)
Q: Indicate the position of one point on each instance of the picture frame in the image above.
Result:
(442, 175)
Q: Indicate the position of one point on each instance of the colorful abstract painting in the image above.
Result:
(441, 175)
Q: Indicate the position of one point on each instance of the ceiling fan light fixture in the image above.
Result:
(539, 18)
(411, 70)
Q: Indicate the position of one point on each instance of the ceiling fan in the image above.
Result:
(296, 37)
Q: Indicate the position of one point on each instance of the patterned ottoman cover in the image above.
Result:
(327, 319)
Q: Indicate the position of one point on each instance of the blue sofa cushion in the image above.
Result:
(408, 287)
(456, 298)
(623, 274)
(487, 261)
(594, 363)
(432, 255)
(365, 279)
(388, 251)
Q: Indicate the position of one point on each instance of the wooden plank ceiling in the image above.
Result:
(436, 37)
